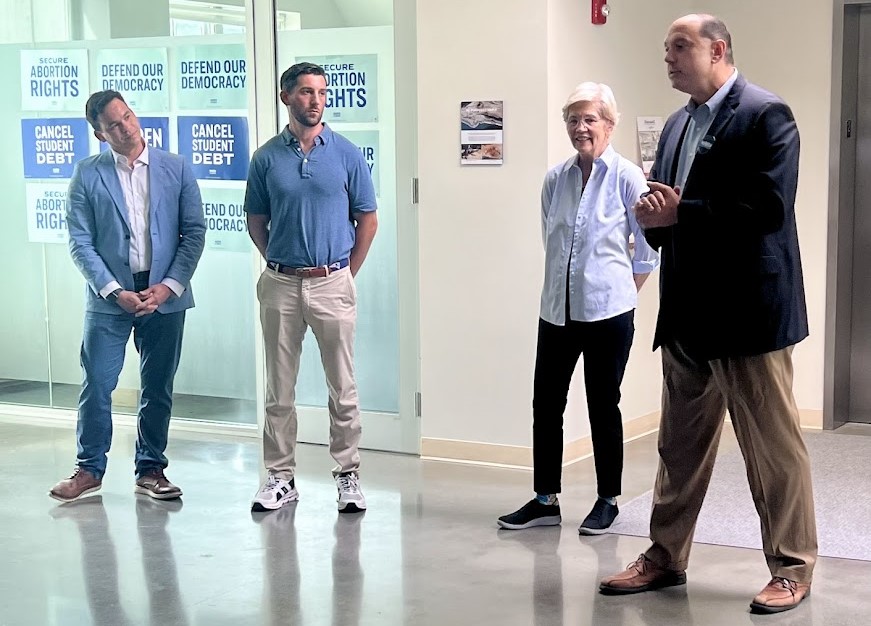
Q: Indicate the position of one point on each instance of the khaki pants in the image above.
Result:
(288, 306)
(757, 390)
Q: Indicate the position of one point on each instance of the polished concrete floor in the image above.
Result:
(426, 552)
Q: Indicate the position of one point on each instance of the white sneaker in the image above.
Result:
(350, 498)
(274, 494)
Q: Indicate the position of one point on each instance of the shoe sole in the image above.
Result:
(81, 495)
(553, 520)
(351, 507)
(767, 610)
(157, 496)
(583, 530)
(259, 507)
(675, 581)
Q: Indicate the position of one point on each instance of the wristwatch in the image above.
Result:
(113, 296)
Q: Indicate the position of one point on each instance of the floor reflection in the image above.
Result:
(281, 576)
(99, 559)
(547, 576)
(158, 561)
(347, 571)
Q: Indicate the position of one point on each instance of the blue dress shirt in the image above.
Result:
(701, 118)
(586, 239)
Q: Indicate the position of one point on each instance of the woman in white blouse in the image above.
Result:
(592, 277)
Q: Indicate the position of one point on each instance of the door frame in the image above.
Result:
(399, 432)
(839, 257)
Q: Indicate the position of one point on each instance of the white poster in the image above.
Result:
(211, 77)
(367, 142)
(46, 212)
(226, 226)
(140, 74)
(481, 132)
(352, 86)
(54, 80)
(649, 130)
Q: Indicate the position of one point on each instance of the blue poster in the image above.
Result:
(216, 146)
(155, 131)
(52, 146)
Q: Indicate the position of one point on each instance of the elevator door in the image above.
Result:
(860, 350)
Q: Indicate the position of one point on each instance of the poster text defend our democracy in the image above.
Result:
(133, 76)
(213, 74)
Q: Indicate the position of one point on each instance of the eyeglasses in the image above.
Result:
(587, 121)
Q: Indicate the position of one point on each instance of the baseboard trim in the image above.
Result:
(520, 457)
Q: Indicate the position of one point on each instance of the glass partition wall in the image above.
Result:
(187, 70)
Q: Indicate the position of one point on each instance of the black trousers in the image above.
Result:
(605, 345)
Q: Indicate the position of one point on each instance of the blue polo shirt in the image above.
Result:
(309, 198)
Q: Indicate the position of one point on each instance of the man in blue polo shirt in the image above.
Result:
(310, 206)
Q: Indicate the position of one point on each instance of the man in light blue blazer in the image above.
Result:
(136, 232)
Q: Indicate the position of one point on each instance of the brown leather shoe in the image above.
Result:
(155, 485)
(642, 575)
(781, 594)
(80, 483)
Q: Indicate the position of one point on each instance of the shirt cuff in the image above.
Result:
(105, 291)
(177, 287)
(643, 267)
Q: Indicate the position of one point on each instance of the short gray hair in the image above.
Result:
(599, 94)
(714, 28)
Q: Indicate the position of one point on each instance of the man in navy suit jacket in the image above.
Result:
(732, 306)
(136, 233)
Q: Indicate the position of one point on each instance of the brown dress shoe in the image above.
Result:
(80, 483)
(642, 575)
(155, 485)
(781, 594)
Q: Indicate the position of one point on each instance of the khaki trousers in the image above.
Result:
(757, 391)
(288, 306)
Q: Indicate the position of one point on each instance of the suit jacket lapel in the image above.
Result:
(155, 176)
(109, 176)
(727, 110)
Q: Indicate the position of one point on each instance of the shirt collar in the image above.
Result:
(322, 138)
(716, 101)
(120, 158)
(606, 159)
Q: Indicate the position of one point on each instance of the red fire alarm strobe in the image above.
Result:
(600, 11)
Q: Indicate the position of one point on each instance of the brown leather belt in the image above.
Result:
(308, 272)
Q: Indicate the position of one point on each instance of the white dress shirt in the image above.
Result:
(134, 181)
(586, 238)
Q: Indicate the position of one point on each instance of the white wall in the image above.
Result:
(480, 242)
(481, 259)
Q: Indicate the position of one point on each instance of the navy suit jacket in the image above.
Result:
(731, 280)
(99, 227)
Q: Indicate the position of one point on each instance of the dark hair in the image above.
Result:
(97, 103)
(714, 28)
(288, 79)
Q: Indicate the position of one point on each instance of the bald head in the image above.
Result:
(698, 55)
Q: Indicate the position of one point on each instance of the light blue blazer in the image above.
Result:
(99, 227)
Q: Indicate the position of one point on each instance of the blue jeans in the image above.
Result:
(157, 338)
